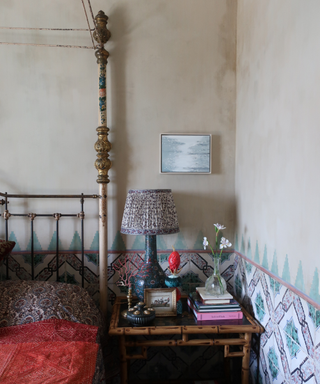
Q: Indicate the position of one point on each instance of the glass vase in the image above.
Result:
(216, 284)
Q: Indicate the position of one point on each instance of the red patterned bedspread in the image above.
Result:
(48, 352)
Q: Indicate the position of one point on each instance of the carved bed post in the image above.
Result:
(102, 163)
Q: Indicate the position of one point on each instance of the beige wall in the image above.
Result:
(171, 69)
(277, 152)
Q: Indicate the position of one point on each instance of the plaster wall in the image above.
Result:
(277, 138)
(171, 70)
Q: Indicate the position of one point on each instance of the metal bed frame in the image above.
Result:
(102, 164)
(56, 216)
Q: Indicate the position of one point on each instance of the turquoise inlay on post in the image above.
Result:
(286, 270)
(314, 291)
(180, 243)
(75, 243)
(236, 245)
(95, 242)
(243, 247)
(36, 243)
(161, 245)
(274, 266)
(118, 243)
(299, 283)
(256, 254)
(12, 237)
(53, 242)
(265, 258)
(249, 253)
(199, 242)
(139, 242)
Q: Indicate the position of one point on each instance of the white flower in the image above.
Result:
(220, 227)
(205, 243)
(224, 243)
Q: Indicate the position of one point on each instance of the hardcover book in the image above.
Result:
(213, 299)
(233, 305)
(214, 315)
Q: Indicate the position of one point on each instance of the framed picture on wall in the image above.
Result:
(188, 153)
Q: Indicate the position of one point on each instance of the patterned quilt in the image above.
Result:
(49, 321)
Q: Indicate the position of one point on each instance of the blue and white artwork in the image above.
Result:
(185, 153)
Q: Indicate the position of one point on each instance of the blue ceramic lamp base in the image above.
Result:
(151, 274)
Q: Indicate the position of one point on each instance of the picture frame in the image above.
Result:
(185, 153)
(162, 300)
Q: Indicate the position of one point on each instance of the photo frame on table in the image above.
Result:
(185, 153)
(162, 300)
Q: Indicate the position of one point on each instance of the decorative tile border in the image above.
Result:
(290, 346)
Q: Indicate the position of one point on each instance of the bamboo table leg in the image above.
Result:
(246, 359)
(123, 359)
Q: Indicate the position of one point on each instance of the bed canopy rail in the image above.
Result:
(101, 35)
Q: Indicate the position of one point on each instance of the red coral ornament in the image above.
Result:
(174, 261)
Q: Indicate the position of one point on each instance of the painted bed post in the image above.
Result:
(102, 163)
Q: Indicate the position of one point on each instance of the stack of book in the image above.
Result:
(208, 307)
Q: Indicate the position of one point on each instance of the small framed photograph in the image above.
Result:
(162, 300)
(185, 153)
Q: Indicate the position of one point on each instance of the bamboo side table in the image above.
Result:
(184, 326)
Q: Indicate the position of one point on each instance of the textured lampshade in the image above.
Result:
(149, 212)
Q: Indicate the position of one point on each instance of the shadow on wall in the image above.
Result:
(198, 213)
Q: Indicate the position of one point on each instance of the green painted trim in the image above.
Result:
(95, 242)
(256, 254)
(314, 291)
(12, 237)
(299, 283)
(274, 266)
(36, 243)
(118, 243)
(265, 258)
(286, 270)
(249, 252)
(76, 242)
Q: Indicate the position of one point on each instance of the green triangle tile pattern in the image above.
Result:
(95, 242)
(76, 242)
(314, 291)
(256, 254)
(243, 247)
(92, 258)
(139, 242)
(52, 245)
(199, 241)
(299, 283)
(161, 244)
(249, 253)
(118, 243)
(236, 243)
(286, 270)
(36, 243)
(180, 243)
(265, 258)
(12, 237)
(274, 266)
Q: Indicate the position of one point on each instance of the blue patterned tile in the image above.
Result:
(316, 360)
(273, 364)
(304, 334)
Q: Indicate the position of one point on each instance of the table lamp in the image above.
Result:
(149, 212)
